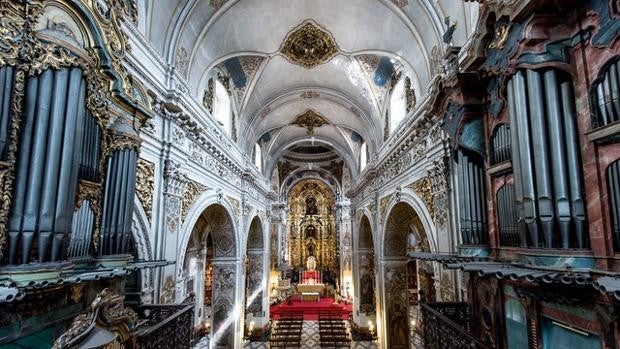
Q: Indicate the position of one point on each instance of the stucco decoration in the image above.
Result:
(309, 45)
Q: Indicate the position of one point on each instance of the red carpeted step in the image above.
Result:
(311, 310)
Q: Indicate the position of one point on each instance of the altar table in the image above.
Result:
(314, 288)
(310, 296)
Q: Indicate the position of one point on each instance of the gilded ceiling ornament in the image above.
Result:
(192, 191)
(310, 120)
(401, 3)
(217, 4)
(145, 185)
(207, 99)
(309, 45)
(501, 36)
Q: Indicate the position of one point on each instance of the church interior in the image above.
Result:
(227, 174)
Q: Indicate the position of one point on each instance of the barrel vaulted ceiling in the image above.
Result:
(363, 44)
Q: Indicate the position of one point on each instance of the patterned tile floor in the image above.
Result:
(309, 339)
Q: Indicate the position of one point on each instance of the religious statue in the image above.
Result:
(311, 232)
(412, 238)
(311, 208)
(398, 327)
(311, 263)
(310, 250)
(449, 33)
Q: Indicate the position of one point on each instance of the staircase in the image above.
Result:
(287, 331)
(333, 331)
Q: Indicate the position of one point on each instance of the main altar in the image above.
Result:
(310, 282)
(312, 228)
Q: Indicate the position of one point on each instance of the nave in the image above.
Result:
(230, 174)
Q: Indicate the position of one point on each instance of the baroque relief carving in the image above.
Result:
(145, 185)
(192, 191)
(309, 45)
(423, 188)
(107, 312)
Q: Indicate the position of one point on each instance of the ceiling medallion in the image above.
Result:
(309, 45)
(310, 120)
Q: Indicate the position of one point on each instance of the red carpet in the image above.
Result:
(311, 309)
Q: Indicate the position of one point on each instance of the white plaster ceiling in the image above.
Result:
(210, 35)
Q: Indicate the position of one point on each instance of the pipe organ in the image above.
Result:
(545, 157)
(59, 186)
(472, 199)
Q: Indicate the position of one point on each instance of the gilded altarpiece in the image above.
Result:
(311, 226)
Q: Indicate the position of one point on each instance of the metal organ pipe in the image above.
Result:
(466, 199)
(613, 180)
(525, 158)
(21, 176)
(118, 203)
(35, 171)
(54, 137)
(6, 87)
(542, 118)
(65, 208)
(558, 153)
(540, 150)
(46, 172)
(516, 164)
(573, 164)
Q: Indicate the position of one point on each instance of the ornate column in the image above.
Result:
(343, 221)
(174, 185)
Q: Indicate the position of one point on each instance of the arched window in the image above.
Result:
(221, 106)
(398, 105)
(363, 156)
(258, 156)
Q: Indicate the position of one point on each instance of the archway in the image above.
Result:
(211, 271)
(255, 279)
(366, 265)
(403, 231)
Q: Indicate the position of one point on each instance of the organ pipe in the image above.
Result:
(548, 179)
(607, 95)
(118, 203)
(573, 164)
(558, 154)
(472, 204)
(516, 164)
(541, 157)
(525, 158)
(46, 169)
(613, 181)
(6, 87)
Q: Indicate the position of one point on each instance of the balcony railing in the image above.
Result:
(164, 326)
(446, 325)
